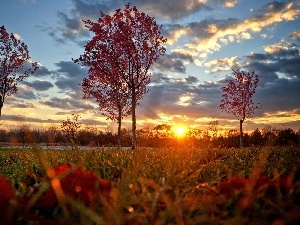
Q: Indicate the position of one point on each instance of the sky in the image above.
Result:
(207, 39)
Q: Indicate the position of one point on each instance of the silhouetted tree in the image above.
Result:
(237, 97)
(213, 128)
(70, 128)
(256, 138)
(286, 137)
(269, 134)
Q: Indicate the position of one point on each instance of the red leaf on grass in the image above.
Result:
(77, 183)
(6, 193)
(229, 187)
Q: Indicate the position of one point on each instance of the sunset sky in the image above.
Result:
(206, 40)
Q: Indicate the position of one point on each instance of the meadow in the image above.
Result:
(253, 185)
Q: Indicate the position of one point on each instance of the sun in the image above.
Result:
(180, 130)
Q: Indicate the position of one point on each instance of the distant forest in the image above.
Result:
(159, 136)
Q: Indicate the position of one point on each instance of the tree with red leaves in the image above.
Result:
(13, 56)
(237, 97)
(110, 97)
(124, 47)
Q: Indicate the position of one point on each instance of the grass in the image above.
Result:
(168, 186)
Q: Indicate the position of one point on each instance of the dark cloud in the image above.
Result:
(191, 79)
(70, 69)
(39, 85)
(68, 84)
(18, 118)
(69, 76)
(24, 93)
(280, 95)
(170, 9)
(23, 105)
(67, 103)
(266, 71)
(42, 72)
(279, 58)
(168, 64)
(74, 27)
(173, 62)
(157, 78)
(269, 8)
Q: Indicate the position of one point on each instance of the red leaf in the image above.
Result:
(78, 183)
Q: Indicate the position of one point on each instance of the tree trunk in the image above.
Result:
(1, 105)
(119, 129)
(241, 133)
(133, 129)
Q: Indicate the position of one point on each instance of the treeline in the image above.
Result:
(159, 136)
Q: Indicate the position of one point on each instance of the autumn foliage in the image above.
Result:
(15, 64)
(119, 57)
(77, 183)
(74, 183)
(237, 96)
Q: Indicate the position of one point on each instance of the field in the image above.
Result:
(158, 186)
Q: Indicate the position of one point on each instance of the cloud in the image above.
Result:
(279, 95)
(295, 35)
(279, 85)
(181, 96)
(230, 3)
(23, 105)
(208, 35)
(25, 93)
(41, 71)
(174, 62)
(21, 118)
(67, 103)
(72, 27)
(39, 85)
(282, 57)
(223, 64)
(69, 76)
(282, 50)
(171, 9)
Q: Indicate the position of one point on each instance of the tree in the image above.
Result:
(13, 56)
(256, 138)
(110, 97)
(237, 97)
(286, 137)
(70, 128)
(213, 128)
(124, 47)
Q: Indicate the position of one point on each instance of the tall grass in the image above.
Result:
(167, 186)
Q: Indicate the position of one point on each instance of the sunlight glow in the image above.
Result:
(180, 131)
